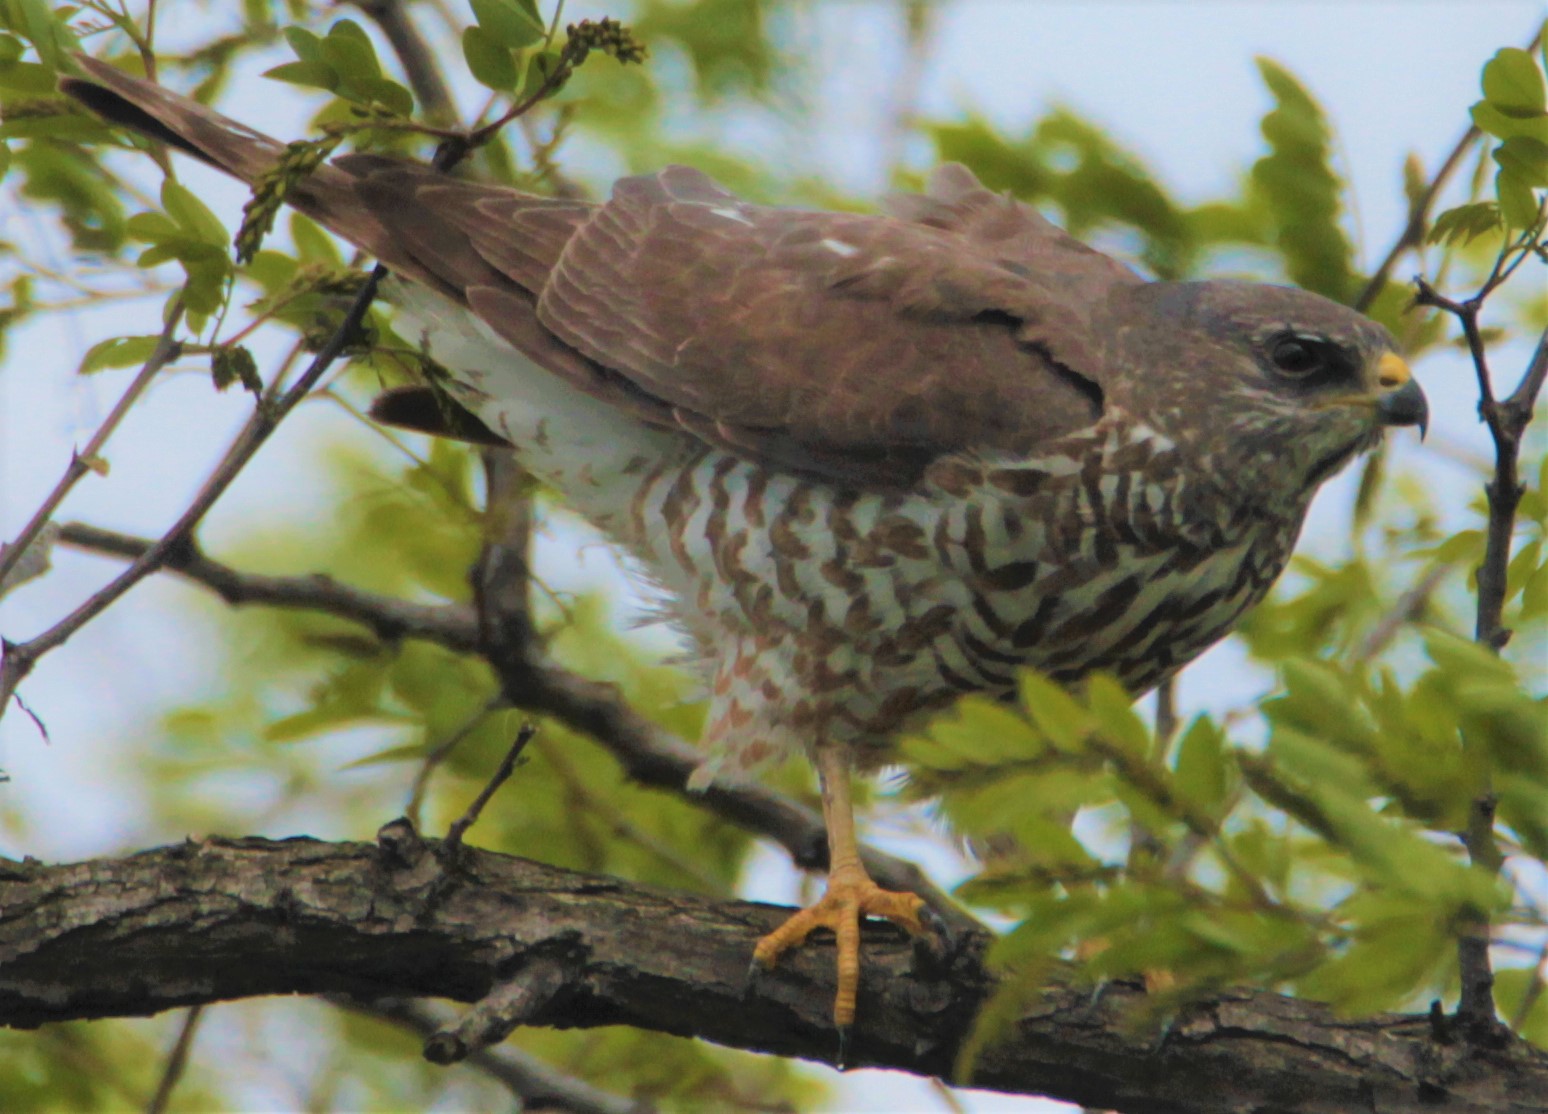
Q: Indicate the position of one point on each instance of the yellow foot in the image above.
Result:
(851, 895)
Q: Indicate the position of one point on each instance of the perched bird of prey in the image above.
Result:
(876, 461)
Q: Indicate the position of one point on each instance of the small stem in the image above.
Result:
(460, 826)
(177, 1061)
(167, 349)
(1418, 216)
(1507, 422)
(20, 658)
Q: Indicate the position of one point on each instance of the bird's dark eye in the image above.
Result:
(1299, 357)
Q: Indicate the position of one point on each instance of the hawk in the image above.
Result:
(877, 461)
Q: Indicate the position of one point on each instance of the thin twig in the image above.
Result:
(389, 619)
(177, 1061)
(511, 1002)
(460, 826)
(1410, 605)
(441, 753)
(538, 1085)
(20, 658)
(89, 459)
(1413, 232)
(1507, 421)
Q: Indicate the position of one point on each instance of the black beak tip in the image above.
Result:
(1406, 406)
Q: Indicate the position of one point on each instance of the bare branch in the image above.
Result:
(89, 459)
(389, 619)
(160, 930)
(459, 828)
(1507, 421)
(20, 658)
(538, 1085)
(177, 1061)
(510, 1003)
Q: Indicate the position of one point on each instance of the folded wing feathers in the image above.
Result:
(830, 343)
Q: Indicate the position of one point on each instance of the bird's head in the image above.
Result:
(1270, 383)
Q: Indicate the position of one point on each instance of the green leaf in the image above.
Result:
(1526, 158)
(1534, 594)
(1202, 772)
(1512, 989)
(1304, 194)
(33, 20)
(313, 244)
(510, 24)
(382, 92)
(313, 75)
(152, 227)
(541, 65)
(489, 61)
(27, 78)
(1492, 119)
(1055, 712)
(192, 215)
(306, 44)
(1513, 83)
(1402, 947)
(975, 732)
(1113, 709)
(348, 50)
(205, 291)
(117, 352)
(1465, 223)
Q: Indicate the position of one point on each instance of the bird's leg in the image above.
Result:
(851, 893)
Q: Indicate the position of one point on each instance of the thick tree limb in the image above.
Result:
(225, 919)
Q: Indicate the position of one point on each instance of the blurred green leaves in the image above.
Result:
(1324, 858)
(1303, 192)
(186, 231)
(493, 46)
(344, 63)
(1514, 110)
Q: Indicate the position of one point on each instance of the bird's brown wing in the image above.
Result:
(857, 348)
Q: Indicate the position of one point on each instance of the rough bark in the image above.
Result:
(232, 918)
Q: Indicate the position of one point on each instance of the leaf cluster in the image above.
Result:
(1324, 860)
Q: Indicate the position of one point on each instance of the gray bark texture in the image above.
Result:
(223, 919)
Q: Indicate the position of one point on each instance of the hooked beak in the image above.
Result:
(1401, 401)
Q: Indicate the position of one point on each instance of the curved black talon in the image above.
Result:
(1098, 992)
(935, 946)
(754, 978)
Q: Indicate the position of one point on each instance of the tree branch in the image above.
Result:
(19, 658)
(227, 919)
(648, 754)
(167, 349)
(536, 1084)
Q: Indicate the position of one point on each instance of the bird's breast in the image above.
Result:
(832, 612)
